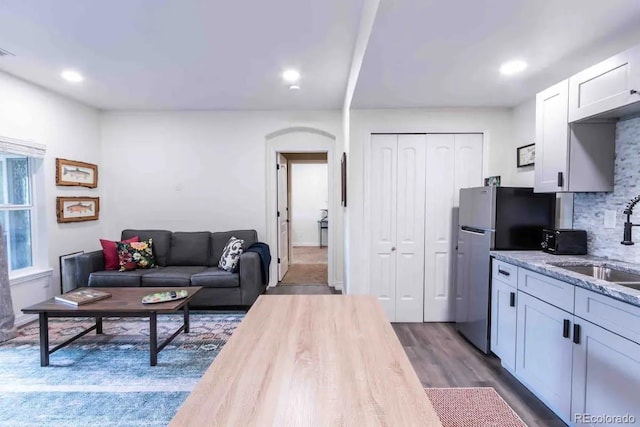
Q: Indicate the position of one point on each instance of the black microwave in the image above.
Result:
(564, 242)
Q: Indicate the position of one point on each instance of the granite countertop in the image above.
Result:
(541, 262)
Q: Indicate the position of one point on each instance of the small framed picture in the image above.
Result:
(526, 155)
(72, 173)
(75, 209)
(492, 181)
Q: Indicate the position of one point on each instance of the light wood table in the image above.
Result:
(310, 360)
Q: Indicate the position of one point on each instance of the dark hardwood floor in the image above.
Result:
(443, 358)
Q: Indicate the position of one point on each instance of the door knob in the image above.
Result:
(393, 248)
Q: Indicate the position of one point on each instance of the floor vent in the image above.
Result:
(5, 53)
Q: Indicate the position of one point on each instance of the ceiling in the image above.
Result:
(228, 55)
(434, 53)
(186, 54)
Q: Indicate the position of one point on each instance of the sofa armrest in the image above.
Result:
(86, 264)
(250, 277)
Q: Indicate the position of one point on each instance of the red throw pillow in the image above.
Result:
(110, 253)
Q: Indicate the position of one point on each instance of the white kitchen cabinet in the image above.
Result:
(576, 158)
(503, 322)
(606, 374)
(544, 352)
(608, 89)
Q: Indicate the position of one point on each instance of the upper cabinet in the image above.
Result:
(609, 89)
(570, 158)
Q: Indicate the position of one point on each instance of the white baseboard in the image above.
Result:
(338, 286)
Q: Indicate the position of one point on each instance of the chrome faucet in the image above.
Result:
(626, 240)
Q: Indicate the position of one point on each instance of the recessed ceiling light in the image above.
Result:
(513, 67)
(291, 76)
(72, 76)
(294, 87)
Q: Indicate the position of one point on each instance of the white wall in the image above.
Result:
(189, 171)
(69, 130)
(524, 133)
(309, 194)
(499, 159)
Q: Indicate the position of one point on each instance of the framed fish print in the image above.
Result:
(70, 172)
(75, 209)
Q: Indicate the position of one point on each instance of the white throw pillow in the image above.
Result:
(231, 255)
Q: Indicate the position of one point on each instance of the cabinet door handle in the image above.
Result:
(560, 179)
(565, 328)
(512, 299)
(576, 334)
(633, 92)
(393, 248)
(504, 273)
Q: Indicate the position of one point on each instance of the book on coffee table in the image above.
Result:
(82, 296)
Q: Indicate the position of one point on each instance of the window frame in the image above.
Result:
(4, 207)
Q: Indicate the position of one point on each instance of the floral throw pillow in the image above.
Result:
(140, 253)
(231, 255)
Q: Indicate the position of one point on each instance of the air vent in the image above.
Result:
(5, 53)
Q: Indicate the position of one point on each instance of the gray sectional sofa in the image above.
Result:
(184, 259)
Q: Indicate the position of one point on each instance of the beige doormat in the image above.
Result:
(305, 274)
(472, 407)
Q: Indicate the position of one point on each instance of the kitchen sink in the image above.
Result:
(603, 272)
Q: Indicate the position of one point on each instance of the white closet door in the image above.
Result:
(410, 228)
(383, 180)
(454, 161)
(283, 217)
(441, 160)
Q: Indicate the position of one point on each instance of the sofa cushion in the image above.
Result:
(114, 278)
(110, 252)
(220, 239)
(231, 255)
(161, 242)
(189, 248)
(213, 277)
(171, 276)
(138, 254)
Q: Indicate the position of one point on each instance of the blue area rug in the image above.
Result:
(106, 380)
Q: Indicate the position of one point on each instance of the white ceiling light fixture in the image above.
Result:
(291, 76)
(294, 87)
(513, 67)
(72, 76)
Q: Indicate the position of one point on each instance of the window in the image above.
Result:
(16, 209)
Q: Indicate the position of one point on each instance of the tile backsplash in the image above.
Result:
(588, 210)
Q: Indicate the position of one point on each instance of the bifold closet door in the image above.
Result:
(453, 161)
(397, 224)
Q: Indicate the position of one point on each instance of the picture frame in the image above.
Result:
(68, 271)
(74, 173)
(492, 181)
(526, 155)
(343, 179)
(76, 209)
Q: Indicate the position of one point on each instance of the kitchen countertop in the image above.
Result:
(541, 262)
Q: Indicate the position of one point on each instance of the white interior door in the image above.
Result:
(410, 228)
(383, 179)
(283, 217)
(454, 161)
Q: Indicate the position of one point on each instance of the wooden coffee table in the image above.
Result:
(124, 302)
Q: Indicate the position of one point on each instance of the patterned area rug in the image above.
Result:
(106, 380)
(472, 407)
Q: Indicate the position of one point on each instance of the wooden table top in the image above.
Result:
(310, 360)
(122, 300)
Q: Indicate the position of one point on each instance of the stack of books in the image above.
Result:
(82, 296)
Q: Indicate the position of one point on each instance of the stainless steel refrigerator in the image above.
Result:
(500, 218)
